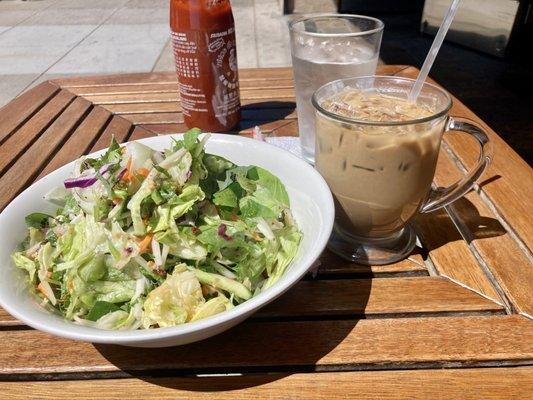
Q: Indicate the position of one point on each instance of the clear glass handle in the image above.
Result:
(441, 197)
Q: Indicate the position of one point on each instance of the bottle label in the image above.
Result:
(206, 63)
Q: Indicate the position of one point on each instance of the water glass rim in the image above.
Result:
(343, 118)
(378, 28)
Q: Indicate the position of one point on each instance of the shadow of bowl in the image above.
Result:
(266, 344)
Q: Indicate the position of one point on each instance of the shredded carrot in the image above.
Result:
(143, 171)
(234, 217)
(128, 175)
(40, 288)
(117, 200)
(143, 244)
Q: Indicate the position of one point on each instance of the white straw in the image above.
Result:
(435, 47)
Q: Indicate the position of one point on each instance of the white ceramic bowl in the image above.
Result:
(311, 203)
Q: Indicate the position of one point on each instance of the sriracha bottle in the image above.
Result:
(203, 38)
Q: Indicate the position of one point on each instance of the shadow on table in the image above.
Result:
(265, 348)
(487, 181)
(437, 229)
(265, 112)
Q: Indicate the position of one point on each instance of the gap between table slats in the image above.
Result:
(334, 266)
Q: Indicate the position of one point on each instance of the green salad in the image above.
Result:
(146, 239)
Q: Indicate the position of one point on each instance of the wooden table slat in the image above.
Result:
(290, 129)
(102, 99)
(509, 183)
(451, 255)
(480, 246)
(158, 97)
(501, 254)
(155, 118)
(368, 297)
(259, 111)
(21, 108)
(331, 264)
(144, 108)
(27, 133)
(274, 74)
(19, 175)
(245, 127)
(245, 74)
(81, 139)
(448, 250)
(356, 297)
(451, 384)
(255, 84)
(141, 132)
(118, 127)
(347, 344)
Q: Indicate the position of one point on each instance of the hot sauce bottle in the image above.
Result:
(203, 38)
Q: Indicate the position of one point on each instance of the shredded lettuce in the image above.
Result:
(175, 301)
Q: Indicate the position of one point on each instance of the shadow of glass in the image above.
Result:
(479, 227)
(264, 112)
(489, 180)
(437, 228)
(289, 335)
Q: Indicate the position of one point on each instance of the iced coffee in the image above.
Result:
(378, 165)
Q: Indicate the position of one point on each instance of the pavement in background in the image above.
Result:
(46, 39)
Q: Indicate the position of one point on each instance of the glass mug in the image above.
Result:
(380, 172)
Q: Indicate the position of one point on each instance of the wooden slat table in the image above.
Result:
(451, 321)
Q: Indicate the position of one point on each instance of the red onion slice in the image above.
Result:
(121, 174)
(84, 181)
(222, 232)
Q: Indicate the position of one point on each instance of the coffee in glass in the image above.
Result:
(378, 153)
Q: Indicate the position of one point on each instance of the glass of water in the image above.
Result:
(327, 47)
